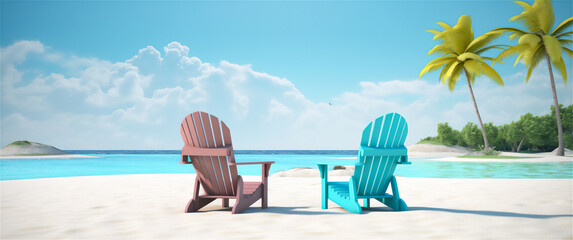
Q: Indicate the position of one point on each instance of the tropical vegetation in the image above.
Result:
(461, 53)
(529, 133)
(538, 42)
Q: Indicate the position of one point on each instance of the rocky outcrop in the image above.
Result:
(22, 148)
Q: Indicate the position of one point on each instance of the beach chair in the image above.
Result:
(381, 149)
(208, 147)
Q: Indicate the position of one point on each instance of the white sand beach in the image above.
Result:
(151, 207)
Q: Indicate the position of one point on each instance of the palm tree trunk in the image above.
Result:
(519, 146)
(485, 141)
(561, 147)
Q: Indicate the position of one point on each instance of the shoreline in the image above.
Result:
(432, 155)
(151, 206)
(51, 156)
(526, 157)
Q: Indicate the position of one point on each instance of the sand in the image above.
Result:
(151, 207)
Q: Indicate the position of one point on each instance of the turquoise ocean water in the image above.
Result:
(158, 162)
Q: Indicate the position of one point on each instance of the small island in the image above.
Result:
(27, 149)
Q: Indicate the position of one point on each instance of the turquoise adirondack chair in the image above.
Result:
(381, 150)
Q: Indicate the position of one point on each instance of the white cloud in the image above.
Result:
(17, 52)
(139, 103)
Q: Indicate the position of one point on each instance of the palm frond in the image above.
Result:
(483, 40)
(444, 25)
(536, 17)
(491, 73)
(560, 66)
(568, 51)
(533, 59)
(565, 42)
(436, 64)
(444, 70)
(518, 57)
(477, 68)
(519, 48)
(513, 36)
(545, 16)
(524, 5)
(562, 26)
(473, 68)
(563, 34)
(454, 75)
(442, 50)
(552, 47)
(531, 39)
(510, 30)
(469, 55)
(491, 59)
(458, 37)
(499, 46)
(529, 54)
(435, 32)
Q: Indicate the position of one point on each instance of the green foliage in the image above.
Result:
(567, 123)
(472, 136)
(529, 134)
(447, 135)
(431, 140)
(20, 143)
(513, 135)
(489, 151)
(492, 134)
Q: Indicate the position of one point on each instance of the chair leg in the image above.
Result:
(196, 202)
(323, 168)
(244, 201)
(265, 181)
(366, 202)
(395, 202)
(264, 198)
(225, 202)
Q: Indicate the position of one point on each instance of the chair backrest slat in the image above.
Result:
(216, 166)
(208, 174)
(203, 130)
(388, 131)
(223, 161)
(232, 168)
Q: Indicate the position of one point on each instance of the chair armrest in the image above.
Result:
(250, 163)
(266, 168)
(404, 160)
(218, 151)
(323, 168)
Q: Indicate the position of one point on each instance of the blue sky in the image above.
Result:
(123, 74)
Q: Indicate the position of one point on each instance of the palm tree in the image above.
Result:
(536, 44)
(462, 53)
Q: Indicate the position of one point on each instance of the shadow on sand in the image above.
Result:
(491, 213)
(280, 210)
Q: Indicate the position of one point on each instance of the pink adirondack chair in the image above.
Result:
(208, 147)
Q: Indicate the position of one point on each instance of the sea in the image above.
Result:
(120, 162)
